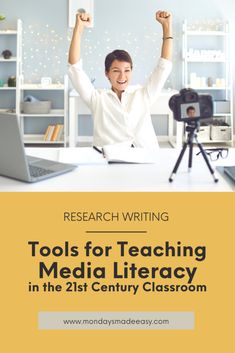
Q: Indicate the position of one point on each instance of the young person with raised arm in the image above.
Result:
(121, 113)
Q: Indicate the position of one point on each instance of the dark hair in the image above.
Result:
(190, 108)
(120, 55)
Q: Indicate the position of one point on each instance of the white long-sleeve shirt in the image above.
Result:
(118, 121)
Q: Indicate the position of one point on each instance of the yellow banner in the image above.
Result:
(117, 252)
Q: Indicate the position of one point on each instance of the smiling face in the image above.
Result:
(119, 75)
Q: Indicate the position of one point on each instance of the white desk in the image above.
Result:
(126, 177)
(160, 107)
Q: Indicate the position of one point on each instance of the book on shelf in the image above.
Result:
(54, 132)
(57, 132)
(49, 132)
(60, 133)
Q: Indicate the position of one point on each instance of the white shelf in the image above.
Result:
(209, 88)
(39, 139)
(206, 33)
(215, 141)
(222, 114)
(53, 113)
(8, 32)
(6, 88)
(200, 74)
(12, 59)
(6, 111)
(39, 87)
(205, 60)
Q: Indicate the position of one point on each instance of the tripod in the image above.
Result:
(192, 128)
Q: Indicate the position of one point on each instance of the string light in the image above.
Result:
(42, 46)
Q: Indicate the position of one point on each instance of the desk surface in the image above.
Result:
(126, 177)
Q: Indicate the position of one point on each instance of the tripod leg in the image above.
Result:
(190, 160)
(207, 162)
(178, 162)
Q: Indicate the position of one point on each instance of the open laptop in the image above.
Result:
(230, 171)
(13, 161)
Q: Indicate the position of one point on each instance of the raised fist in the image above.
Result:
(83, 20)
(163, 17)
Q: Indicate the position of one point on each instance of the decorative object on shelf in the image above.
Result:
(203, 82)
(219, 122)
(30, 98)
(46, 81)
(1, 83)
(197, 81)
(202, 54)
(219, 82)
(11, 81)
(7, 54)
(206, 25)
(210, 81)
(2, 17)
(11, 111)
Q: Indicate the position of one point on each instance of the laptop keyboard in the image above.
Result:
(36, 172)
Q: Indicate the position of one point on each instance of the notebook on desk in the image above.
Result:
(81, 156)
(122, 153)
(13, 161)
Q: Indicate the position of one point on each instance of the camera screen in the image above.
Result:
(190, 110)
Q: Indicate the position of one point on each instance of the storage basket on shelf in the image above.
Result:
(221, 133)
(39, 107)
(203, 133)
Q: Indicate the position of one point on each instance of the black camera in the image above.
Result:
(188, 105)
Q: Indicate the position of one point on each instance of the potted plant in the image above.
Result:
(11, 81)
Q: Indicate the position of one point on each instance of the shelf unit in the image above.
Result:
(206, 55)
(11, 98)
(58, 94)
(12, 40)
